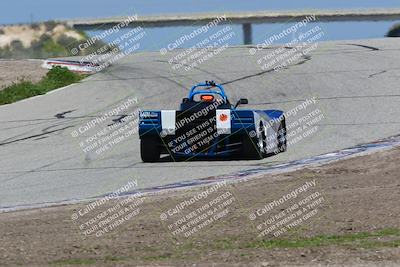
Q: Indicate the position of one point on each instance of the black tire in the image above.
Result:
(150, 149)
(263, 139)
(281, 135)
(250, 148)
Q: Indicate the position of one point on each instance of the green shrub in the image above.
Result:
(50, 25)
(56, 77)
(48, 45)
(5, 52)
(394, 31)
(62, 76)
(67, 42)
(35, 26)
(16, 45)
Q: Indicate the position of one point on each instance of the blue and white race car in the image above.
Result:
(208, 125)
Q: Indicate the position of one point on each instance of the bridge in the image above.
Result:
(246, 19)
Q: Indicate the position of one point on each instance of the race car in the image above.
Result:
(207, 125)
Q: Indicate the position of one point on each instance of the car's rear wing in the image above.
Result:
(209, 85)
(169, 122)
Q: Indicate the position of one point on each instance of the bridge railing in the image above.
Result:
(246, 19)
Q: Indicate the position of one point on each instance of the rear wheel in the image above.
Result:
(282, 144)
(150, 149)
(262, 142)
(250, 148)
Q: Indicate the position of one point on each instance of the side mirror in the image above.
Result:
(185, 100)
(242, 101)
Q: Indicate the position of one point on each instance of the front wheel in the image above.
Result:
(150, 148)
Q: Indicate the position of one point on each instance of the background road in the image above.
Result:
(355, 82)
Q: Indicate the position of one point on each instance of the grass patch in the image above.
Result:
(57, 77)
(367, 240)
(356, 239)
(158, 257)
(74, 262)
(373, 244)
(107, 259)
(361, 239)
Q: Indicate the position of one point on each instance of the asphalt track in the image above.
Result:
(356, 84)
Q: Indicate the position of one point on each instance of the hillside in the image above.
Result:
(42, 40)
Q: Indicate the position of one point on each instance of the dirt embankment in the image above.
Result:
(46, 40)
(351, 219)
(13, 71)
(27, 34)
